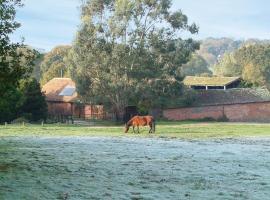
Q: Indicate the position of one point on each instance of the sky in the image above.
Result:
(48, 23)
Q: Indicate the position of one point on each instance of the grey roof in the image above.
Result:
(231, 96)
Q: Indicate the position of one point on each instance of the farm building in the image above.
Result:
(208, 83)
(232, 104)
(63, 101)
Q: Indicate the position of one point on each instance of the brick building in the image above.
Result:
(235, 104)
(63, 101)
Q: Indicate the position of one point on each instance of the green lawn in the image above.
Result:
(184, 130)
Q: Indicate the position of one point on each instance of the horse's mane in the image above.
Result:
(130, 121)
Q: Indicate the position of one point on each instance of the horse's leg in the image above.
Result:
(133, 129)
(150, 130)
(138, 129)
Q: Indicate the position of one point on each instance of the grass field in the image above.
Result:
(182, 130)
(51, 162)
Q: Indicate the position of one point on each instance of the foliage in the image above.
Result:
(16, 61)
(212, 49)
(10, 102)
(36, 73)
(128, 52)
(195, 67)
(14, 58)
(34, 106)
(228, 66)
(20, 120)
(53, 64)
(251, 62)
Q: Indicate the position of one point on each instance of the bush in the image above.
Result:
(20, 120)
(34, 107)
(224, 118)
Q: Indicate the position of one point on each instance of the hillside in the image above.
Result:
(212, 50)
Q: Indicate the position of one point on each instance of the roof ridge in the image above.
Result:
(61, 78)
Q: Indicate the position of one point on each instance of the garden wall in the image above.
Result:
(248, 112)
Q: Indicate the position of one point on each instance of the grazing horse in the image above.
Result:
(141, 121)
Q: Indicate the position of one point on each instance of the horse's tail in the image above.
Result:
(154, 125)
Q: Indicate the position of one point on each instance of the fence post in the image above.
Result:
(5, 124)
(42, 123)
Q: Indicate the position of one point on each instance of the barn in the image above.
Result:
(221, 99)
(211, 83)
(63, 101)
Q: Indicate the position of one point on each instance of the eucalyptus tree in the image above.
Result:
(128, 52)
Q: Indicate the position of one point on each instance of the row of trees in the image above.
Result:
(212, 51)
(20, 96)
(251, 62)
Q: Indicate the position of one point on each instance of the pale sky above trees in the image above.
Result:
(48, 23)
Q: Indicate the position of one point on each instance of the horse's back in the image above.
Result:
(142, 120)
(149, 119)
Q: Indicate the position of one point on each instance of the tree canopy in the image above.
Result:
(128, 52)
(16, 62)
(14, 58)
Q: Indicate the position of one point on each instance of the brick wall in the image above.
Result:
(61, 108)
(249, 112)
(71, 109)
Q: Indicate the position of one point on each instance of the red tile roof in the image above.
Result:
(54, 87)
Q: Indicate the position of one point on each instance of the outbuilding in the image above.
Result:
(211, 83)
(63, 101)
(219, 98)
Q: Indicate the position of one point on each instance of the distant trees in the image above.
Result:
(228, 66)
(213, 49)
(251, 62)
(36, 73)
(195, 67)
(53, 64)
(128, 52)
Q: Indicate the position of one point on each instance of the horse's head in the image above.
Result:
(126, 127)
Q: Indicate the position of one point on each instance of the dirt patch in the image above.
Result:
(4, 167)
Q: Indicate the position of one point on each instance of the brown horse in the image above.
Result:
(141, 121)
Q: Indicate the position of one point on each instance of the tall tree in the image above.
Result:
(128, 52)
(15, 61)
(14, 58)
